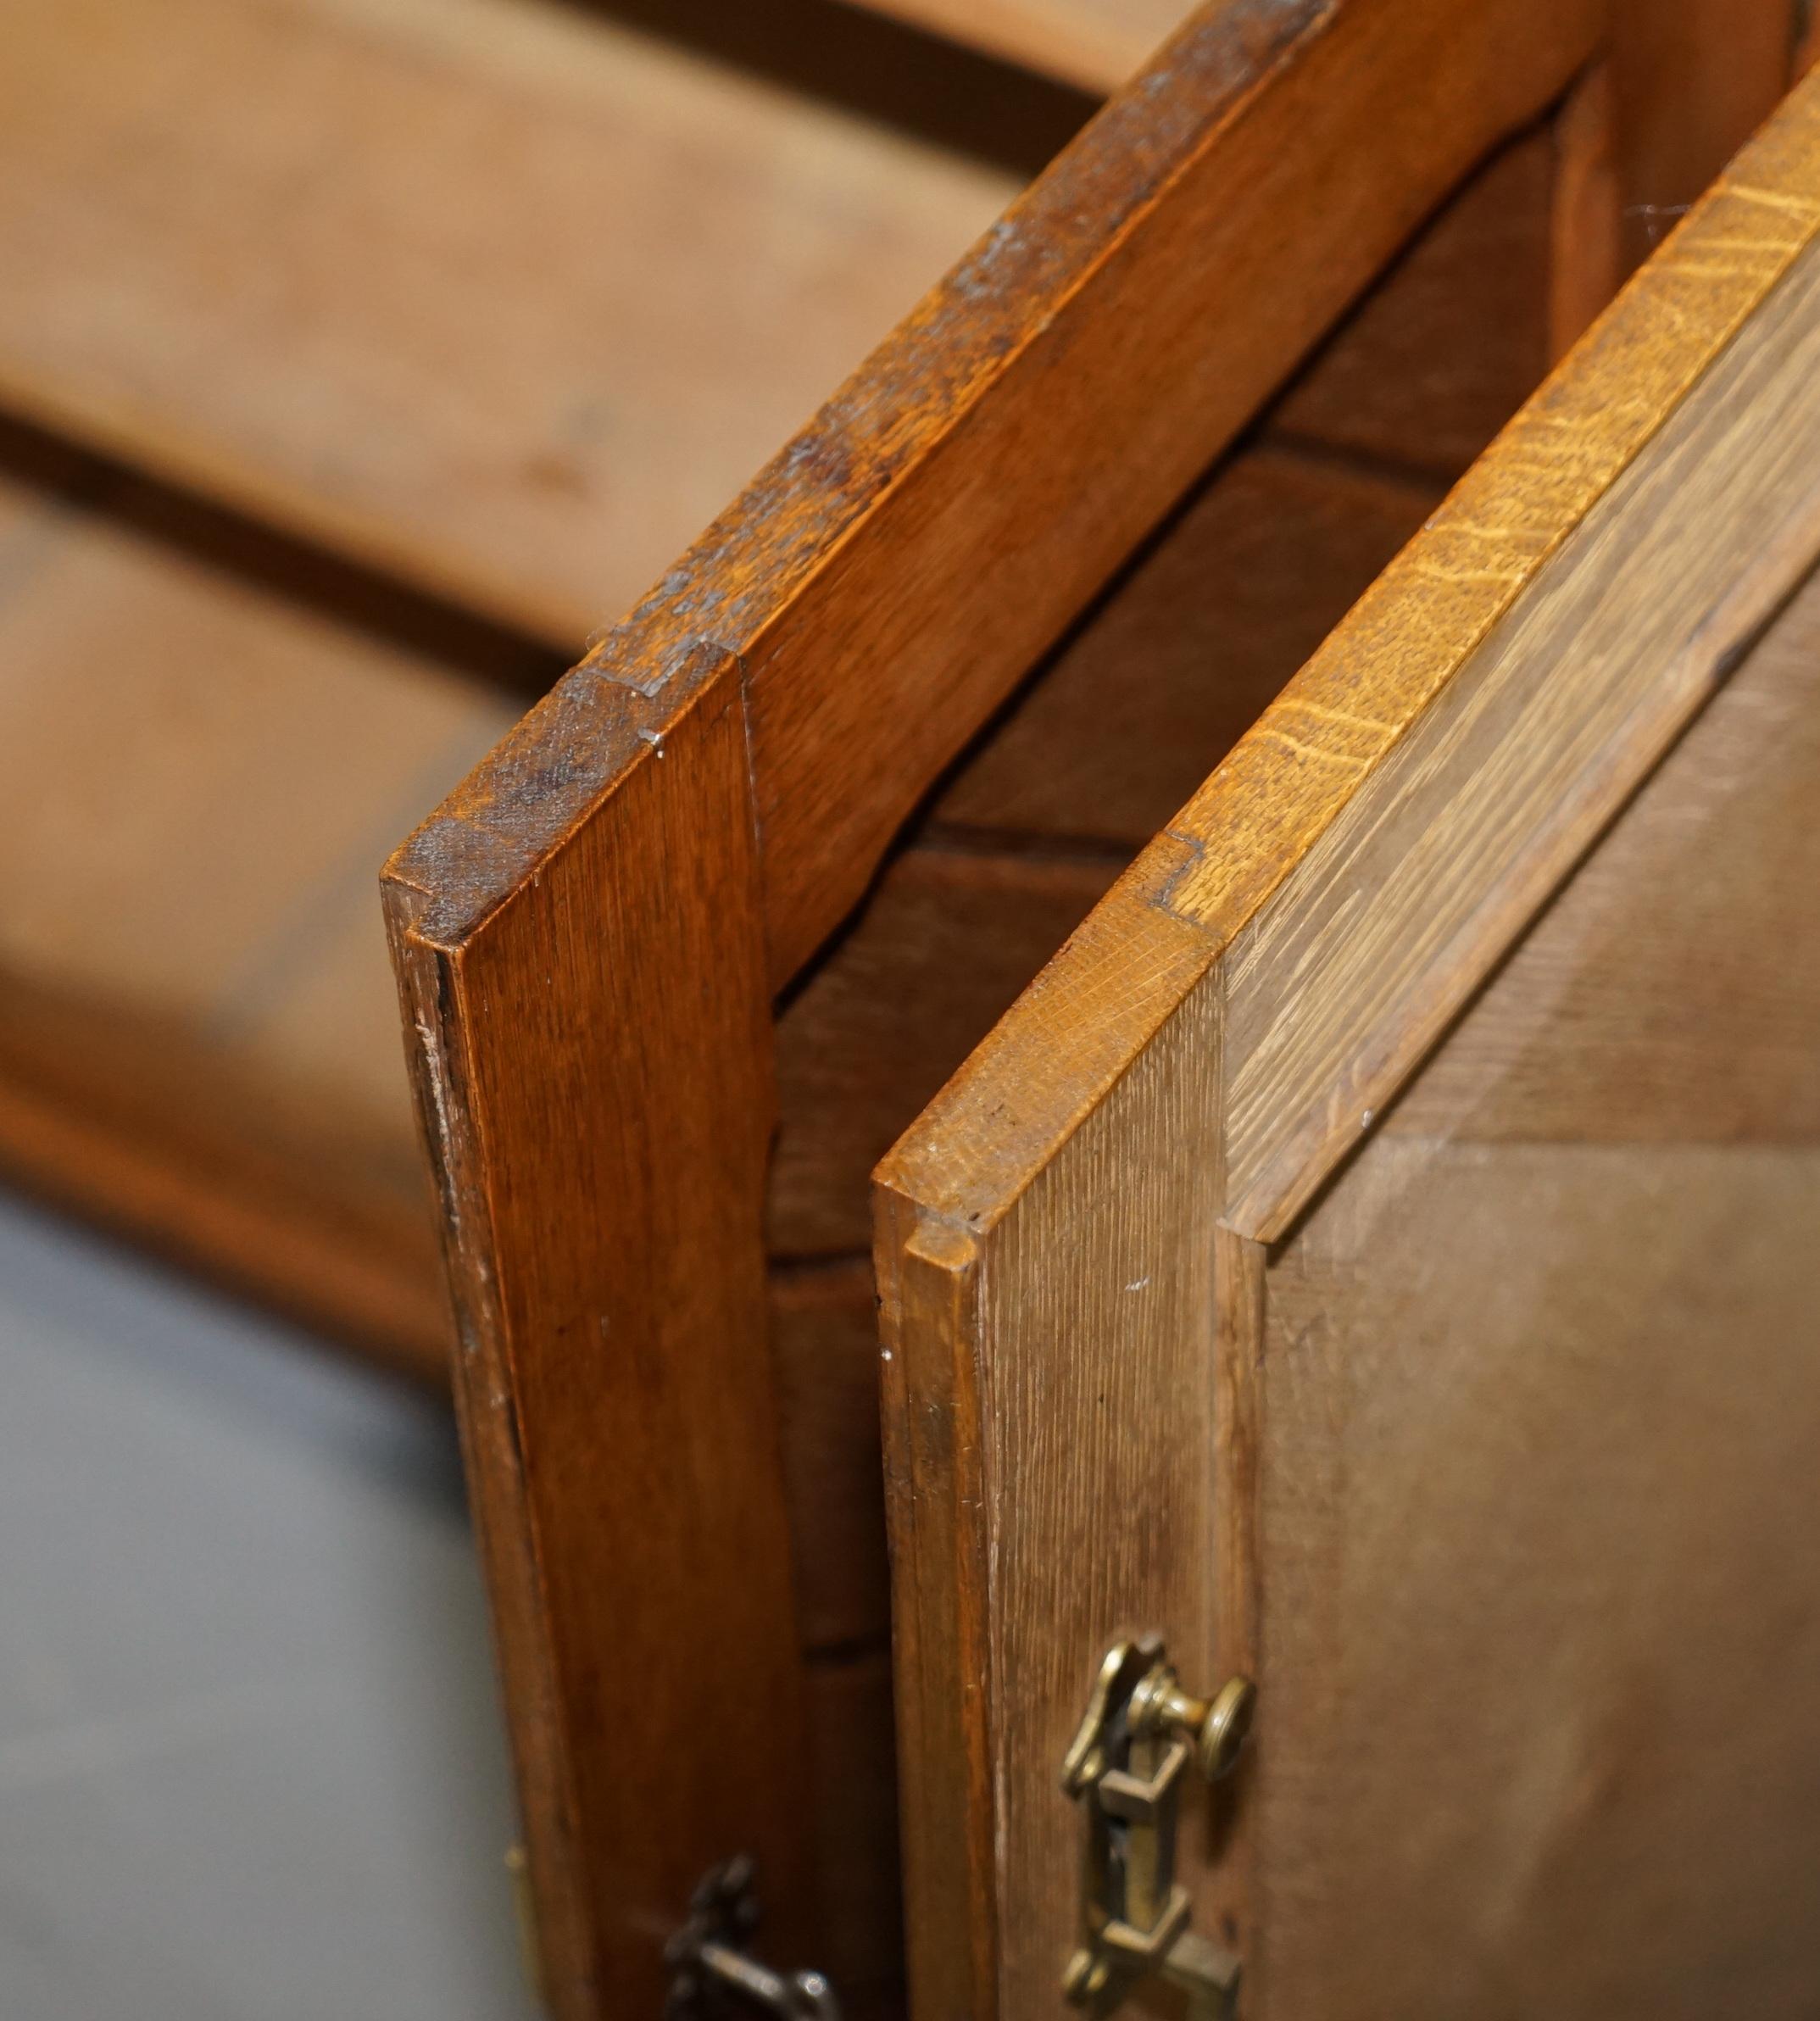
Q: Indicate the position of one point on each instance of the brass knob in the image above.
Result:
(1216, 1727)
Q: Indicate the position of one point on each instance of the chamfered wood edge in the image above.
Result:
(932, 1448)
(865, 464)
(895, 411)
(486, 1414)
(1336, 997)
(964, 1517)
(549, 1049)
(1018, 1098)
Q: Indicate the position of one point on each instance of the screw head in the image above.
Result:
(1224, 1730)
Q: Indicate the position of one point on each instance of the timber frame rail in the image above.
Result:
(590, 933)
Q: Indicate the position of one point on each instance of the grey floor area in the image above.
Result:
(251, 1765)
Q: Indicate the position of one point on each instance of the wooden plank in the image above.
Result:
(593, 1072)
(1601, 1025)
(989, 414)
(497, 294)
(981, 1276)
(1048, 1414)
(1538, 1440)
(1419, 881)
(1623, 1322)
(198, 1038)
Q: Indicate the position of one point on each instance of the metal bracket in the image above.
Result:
(715, 1975)
(1125, 1766)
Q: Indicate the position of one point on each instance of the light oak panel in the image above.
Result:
(1536, 1490)
(1048, 1410)
(1689, 1019)
(1025, 1119)
(1537, 1432)
(1390, 913)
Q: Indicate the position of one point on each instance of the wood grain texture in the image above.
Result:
(1694, 79)
(1453, 340)
(1194, 638)
(1048, 1062)
(1538, 1472)
(1537, 1419)
(1388, 920)
(495, 293)
(593, 1065)
(1193, 642)
(986, 416)
(1603, 1024)
(1056, 1426)
(1104, 1022)
(947, 942)
(554, 922)
(1429, 615)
